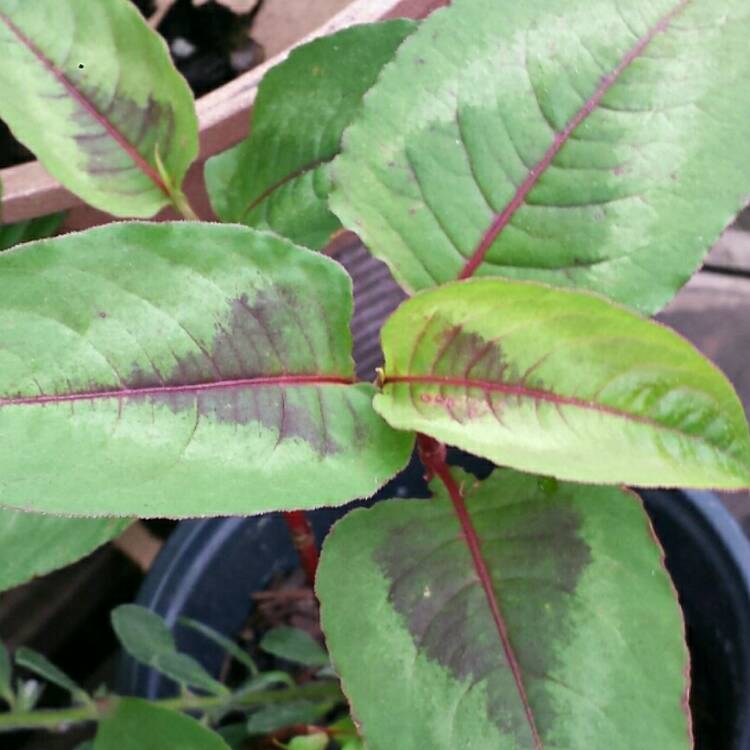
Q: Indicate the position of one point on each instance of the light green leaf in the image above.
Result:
(6, 672)
(43, 667)
(239, 654)
(91, 90)
(278, 177)
(28, 231)
(146, 637)
(198, 370)
(280, 715)
(294, 645)
(346, 734)
(560, 631)
(138, 725)
(266, 680)
(585, 143)
(32, 544)
(317, 741)
(561, 383)
(28, 693)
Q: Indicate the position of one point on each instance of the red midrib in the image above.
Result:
(503, 219)
(434, 461)
(289, 381)
(268, 192)
(88, 106)
(517, 390)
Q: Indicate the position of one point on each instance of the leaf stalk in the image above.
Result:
(61, 719)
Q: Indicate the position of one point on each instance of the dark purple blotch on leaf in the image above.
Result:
(251, 344)
(536, 557)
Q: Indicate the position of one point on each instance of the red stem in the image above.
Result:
(303, 538)
(433, 455)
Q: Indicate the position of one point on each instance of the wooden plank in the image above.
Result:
(280, 23)
(732, 251)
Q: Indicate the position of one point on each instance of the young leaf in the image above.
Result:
(146, 637)
(28, 231)
(561, 383)
(588, 143)
(239, 654)
(278, 177)
(294, 645)
(6, 673)
(90, 89)
(524, 615)
(346, 734)
(281, 715)
(141, 632)
(28, 693)
(317, 741)
(266, 680)
(32, 544)
(198, 369)
(42, 667)
(139, 725)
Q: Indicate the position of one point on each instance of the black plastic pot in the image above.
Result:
(209, 569)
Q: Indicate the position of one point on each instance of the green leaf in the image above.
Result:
(346, 734)
(239, 654)
(28, 693)
(146, 637)
(41, 666)
(198, 370)
(32, 544)
(278, 177)
(233, 734)
(561, 383)
(589, 143)
(280, 715)
(91, 90)
(28, 231)
(317, 741)
(571, 629)
(294, 645)
(6, 673)
(138, 725)
(266, 680)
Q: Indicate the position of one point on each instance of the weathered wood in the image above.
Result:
(732, 251)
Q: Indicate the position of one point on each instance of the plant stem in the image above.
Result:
(303, 538)
(58, 719)
(433, 456)
(181, 204)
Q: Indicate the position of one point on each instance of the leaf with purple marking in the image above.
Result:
(182, 370)
(91, 90)
(32, 544)
(278, 177)
(594, 144)
(561, 630)
(561, 383)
